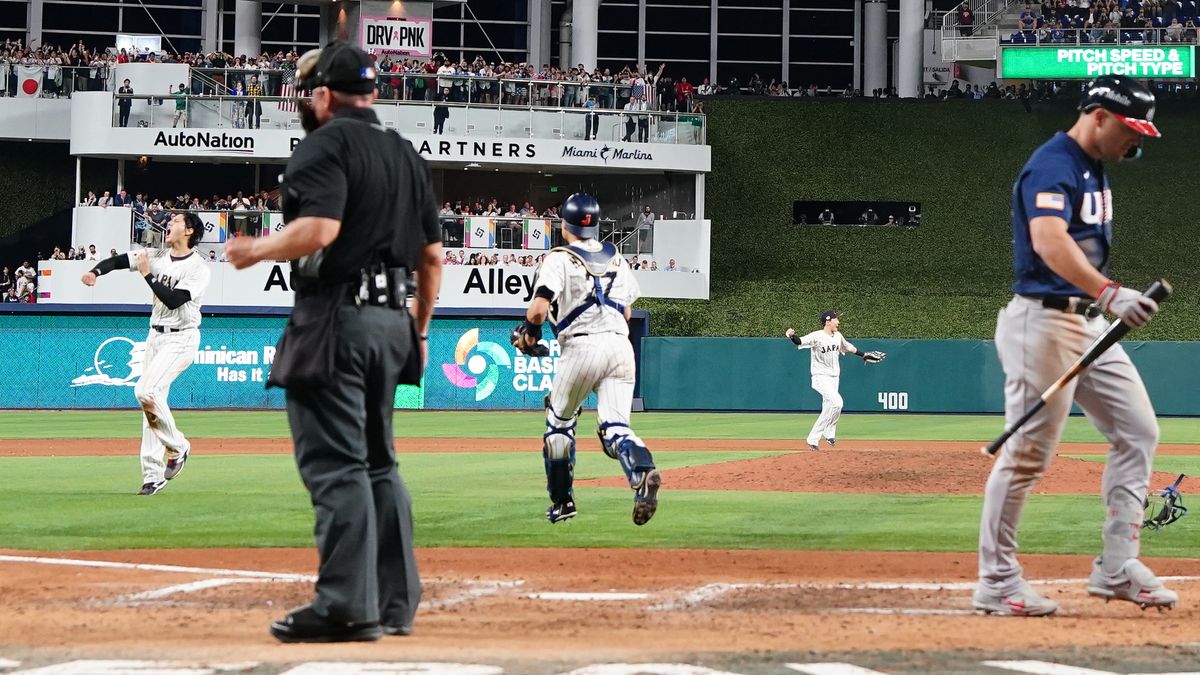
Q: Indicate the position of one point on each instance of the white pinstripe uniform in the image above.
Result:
(826, 370)
(596, 357)
(168, 353)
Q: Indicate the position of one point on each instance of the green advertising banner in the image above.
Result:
(1084, 63)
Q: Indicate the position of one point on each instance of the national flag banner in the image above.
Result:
(29, 81)
(537, 234)
(290, 93)
(1051, 200)
(480, 232)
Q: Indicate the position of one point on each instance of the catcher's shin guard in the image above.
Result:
(558, 452)
(622, 444)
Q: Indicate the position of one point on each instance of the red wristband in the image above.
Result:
(1105, 288)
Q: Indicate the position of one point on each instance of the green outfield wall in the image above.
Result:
(931, 376)
(946, 278)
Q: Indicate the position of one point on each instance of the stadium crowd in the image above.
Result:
(1106, 22)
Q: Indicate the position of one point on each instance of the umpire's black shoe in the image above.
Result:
(397, 630)
(561, 511)
(305, 625)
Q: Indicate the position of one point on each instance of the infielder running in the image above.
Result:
(587, 289)
(1062, 238)
(178, 277)
(827, 346)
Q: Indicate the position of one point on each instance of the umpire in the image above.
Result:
(360, 212)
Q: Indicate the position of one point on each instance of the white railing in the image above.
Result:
(985, 12)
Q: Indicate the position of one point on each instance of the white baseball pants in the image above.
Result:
(831, 409)
(167, 355)
(1036, 345)
(600, 362)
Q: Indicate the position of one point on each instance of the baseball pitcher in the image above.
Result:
(587, 290)
(178, 277)
(826, 347)
(1062, 222)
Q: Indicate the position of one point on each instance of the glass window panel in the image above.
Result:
(505, 36)
(498, 10)
(172, 21)
(452, 11)
(12, 14)
(686, 3)
(618, 17)
(677, 19)
(618, 45)
(821, 49)
(78, 17)
(749, 21)
(776, 4)
(835, 76)
(822, 23)
(665, 47)
(749, 48)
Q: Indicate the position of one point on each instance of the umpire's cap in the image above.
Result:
(339, 66)
(1127, 100)
(829, 314)
(581, 215)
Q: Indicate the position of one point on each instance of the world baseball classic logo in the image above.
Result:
(476, 364)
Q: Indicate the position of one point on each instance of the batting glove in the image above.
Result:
(1128, 304)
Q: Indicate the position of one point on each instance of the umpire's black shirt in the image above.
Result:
(355, 170)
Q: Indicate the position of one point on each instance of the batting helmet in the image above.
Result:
(1127, 100)
(581, 215)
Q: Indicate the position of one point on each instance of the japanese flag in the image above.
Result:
(29, 81)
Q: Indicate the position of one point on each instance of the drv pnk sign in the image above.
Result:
(392, 35)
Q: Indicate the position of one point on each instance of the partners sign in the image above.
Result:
(1085, 63)
(389, 35)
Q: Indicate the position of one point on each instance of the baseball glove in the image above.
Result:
(874, 357)
(525, 338)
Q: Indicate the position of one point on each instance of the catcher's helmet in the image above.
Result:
(581, 215)
(1128, 100)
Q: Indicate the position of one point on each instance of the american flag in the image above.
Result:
(288, 91)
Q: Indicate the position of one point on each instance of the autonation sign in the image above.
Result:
(1084, 63)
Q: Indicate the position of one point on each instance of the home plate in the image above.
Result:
(588, 597)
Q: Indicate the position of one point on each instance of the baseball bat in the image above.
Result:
(1157, 292)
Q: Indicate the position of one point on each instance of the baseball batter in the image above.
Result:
(587, 290)
(1062, 239)
(178, 277)
(826, 347)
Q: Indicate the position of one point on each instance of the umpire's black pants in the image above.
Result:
(343, 439)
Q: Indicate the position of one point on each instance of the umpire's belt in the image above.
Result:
(168, 329)
(1071, 305)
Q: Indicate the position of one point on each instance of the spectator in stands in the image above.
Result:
(57, 254)
(441, 112)
(11, 296)
(6, 280)
(446, 210)
(181, 104)
(528, 210)
(653, 265)
(634, 264)
(826, 217)
(966, 20)
(112, 252)
(671, 266)
(121, 199)
(91, 253)
(105, 200)
(124, 104)
(1175, 31)
(90, 200)
(512, 212)
(253, 105)
(591, 119)
(212, 256)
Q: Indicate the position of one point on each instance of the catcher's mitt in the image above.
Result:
(525, 338)
(874, 357)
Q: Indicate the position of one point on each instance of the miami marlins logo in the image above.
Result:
(604, 154)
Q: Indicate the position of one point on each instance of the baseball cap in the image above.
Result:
(829, 314)
(339, 66)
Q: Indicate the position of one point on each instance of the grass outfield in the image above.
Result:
(498, 499)
(529, 425)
